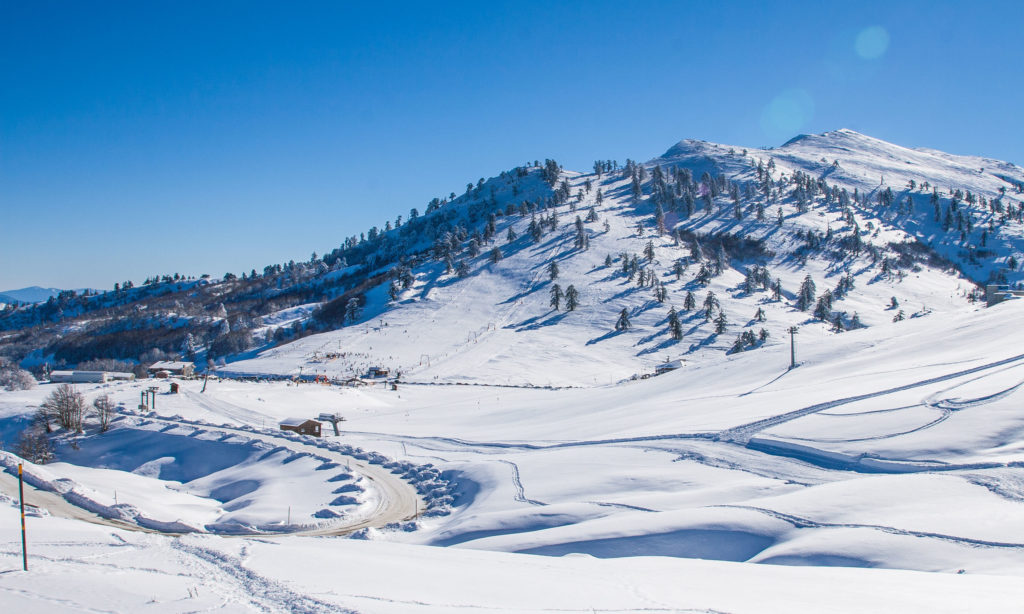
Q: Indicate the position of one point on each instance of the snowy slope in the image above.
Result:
(497, 325)
(896, 447)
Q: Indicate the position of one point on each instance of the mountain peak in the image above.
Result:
(689, 147)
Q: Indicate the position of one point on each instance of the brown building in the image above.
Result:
(302, 426)
(170, 368)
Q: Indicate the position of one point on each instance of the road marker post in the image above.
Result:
(21, 499)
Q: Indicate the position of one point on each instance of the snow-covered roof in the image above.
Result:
(170, 365)
(672, 364)
(296, 421)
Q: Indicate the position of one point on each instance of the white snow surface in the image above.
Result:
(885, 473)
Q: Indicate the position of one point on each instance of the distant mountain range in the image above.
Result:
(32, 294)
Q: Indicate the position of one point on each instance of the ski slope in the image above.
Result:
(884, 473)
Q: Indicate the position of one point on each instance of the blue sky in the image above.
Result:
(154, 138)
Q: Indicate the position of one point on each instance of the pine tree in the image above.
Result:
(710, 303)
(553, 270)
(572, 298)
(720, 323)
(188, 347)
(899, 316)
(759, 315)
(805, 298)
(511, 235)
(821, 311)
(394, 290)
(689, 302)
(678, 269)
(462, 269)
(623, 322)
(352, 310)
(660, 293)
(536, 232)
(675, 327)
(608, 260)
(556, 296)
(495, 254)
(649, 251)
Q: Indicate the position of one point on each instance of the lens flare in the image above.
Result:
(872, 43)
(787, 113)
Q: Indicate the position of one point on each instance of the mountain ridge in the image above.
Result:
(702, 218)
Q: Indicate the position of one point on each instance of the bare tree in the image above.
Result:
(33, 444)
(13, 377)
(67, 405)
(104, 409)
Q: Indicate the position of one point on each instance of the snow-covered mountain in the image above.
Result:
(463, 291)
(519, 427)
(744, 227)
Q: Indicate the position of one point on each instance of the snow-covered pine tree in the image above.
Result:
(805, 298)
(720, 323)
(572, 298)
(675, 327)
(556, 296)
(623, 322)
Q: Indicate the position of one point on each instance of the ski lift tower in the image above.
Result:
(334, 419)
(792, 346)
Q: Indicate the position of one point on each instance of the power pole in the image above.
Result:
(792, 347)
(21, 499)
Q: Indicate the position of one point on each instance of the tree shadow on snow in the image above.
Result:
(606, 336)
(534, 324)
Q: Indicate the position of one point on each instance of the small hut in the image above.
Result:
(302, 426)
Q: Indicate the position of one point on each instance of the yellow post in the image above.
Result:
(21, 497)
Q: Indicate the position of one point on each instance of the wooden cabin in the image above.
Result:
(302, 426)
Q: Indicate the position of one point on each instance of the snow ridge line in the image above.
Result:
(806, 523)
(742, 434)
(266, 594)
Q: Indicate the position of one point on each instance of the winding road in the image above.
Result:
(396, 500)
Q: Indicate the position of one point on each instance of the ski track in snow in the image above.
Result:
(260, 592)
(806, 523)
(743, 433)
(518, 483)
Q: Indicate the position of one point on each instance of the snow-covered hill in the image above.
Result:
(527, 428)
(733, 222)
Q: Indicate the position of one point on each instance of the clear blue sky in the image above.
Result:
(143, 138)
